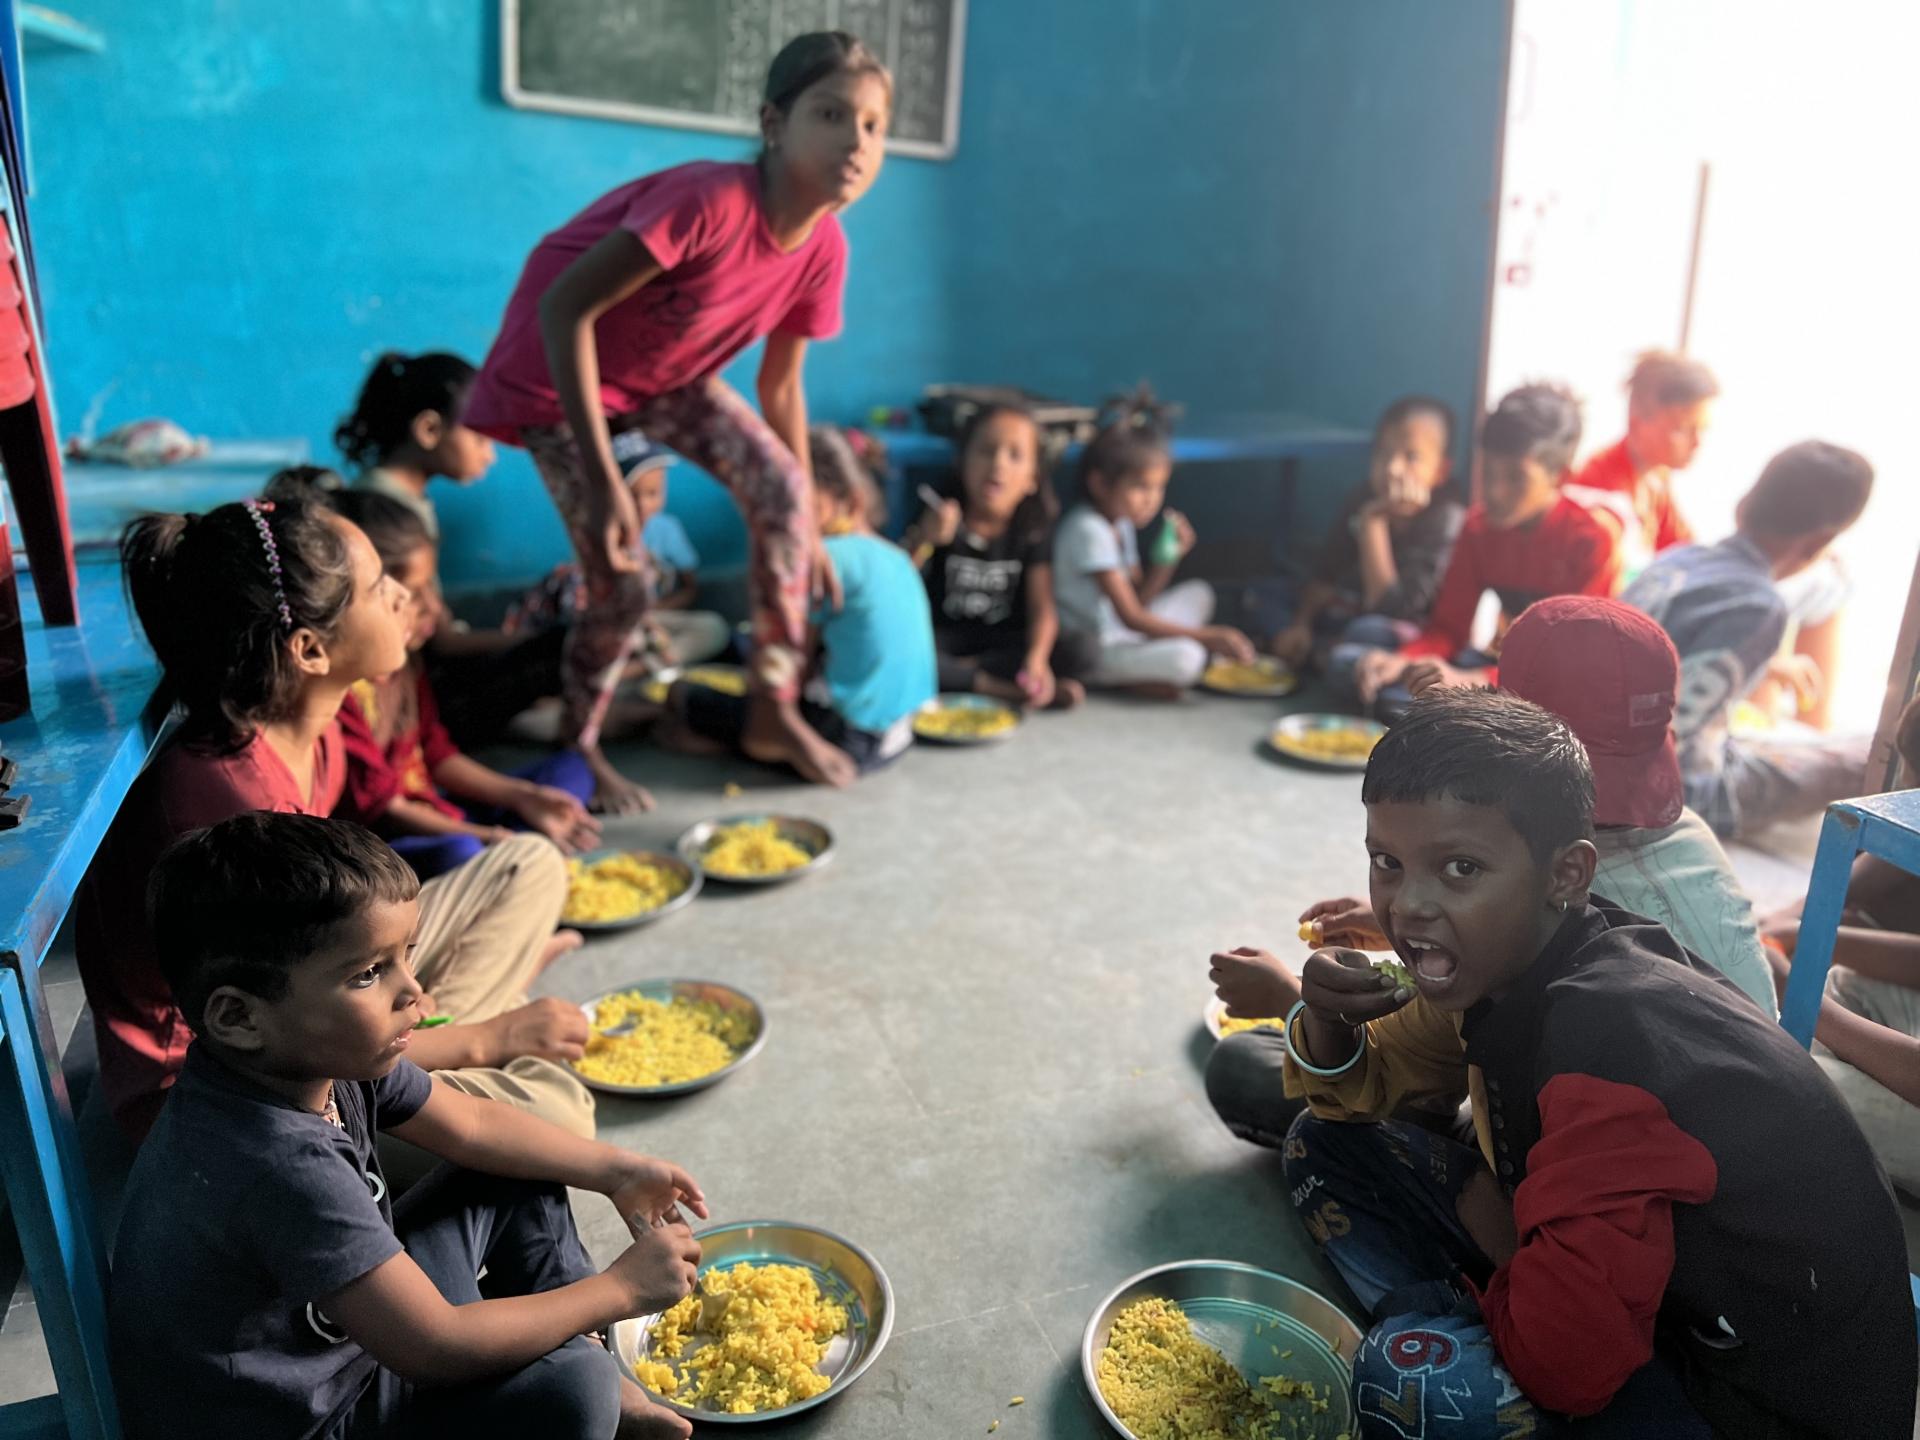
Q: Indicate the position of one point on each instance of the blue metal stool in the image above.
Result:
(1884, 825)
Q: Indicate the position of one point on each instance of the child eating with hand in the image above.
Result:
(264, 1282)
(1628, 1241)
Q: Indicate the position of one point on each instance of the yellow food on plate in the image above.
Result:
(712, 677)
(1165, 1383)
(1339, 743)
(757, 1350)
(617, 888)
(964, 722)
(1257, 675)
(1232, 1025)
(753, 847)
(671, 1040)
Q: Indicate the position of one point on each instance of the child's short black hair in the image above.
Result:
(1135, 431)
(1538, 422)
(847, 465)
(1805, 489)
(1034, 518)
(1661, 379)
(395, 530)
(1408, 405)
(243, 902)
(398, 389)
(1486, 747)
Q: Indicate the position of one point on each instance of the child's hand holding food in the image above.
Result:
(658, 1270)
(1345, 921)
(1255, 985)
(1344, 990)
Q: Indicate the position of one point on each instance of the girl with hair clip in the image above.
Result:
(1152, 636)
(264, 614)
(987, 562)
(623, 319)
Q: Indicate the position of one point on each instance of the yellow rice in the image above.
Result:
(1165, 1383)
(710, 677)
(1258, 675)
(964, 722)
(1231, 1025)
(762, 1351)
(617, 888)
(754, 847)
(1341, 743)
(671, 1041)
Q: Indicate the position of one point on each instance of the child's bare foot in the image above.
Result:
(1068, 694)
(993, 685)
(613, 793)
(561, 942)
(777, 734)
(644, 1418)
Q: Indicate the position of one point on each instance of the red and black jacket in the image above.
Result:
(1686, 1179)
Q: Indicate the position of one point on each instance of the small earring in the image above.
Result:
(1563, 907)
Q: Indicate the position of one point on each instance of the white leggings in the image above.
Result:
(1129, 658)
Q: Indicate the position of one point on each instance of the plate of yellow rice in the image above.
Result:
(784, 1317)
(657, 1038)
(727, 679)
(1220, 1024)
(756, 849)
(1329, 742)
(1264, 678)
(617, 889)
(1216, 1350)
(962, 719)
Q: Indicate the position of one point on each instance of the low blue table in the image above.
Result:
(96, 717)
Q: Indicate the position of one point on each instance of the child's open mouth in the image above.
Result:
(1432, 966)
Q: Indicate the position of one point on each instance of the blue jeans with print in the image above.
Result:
(1380, 1199)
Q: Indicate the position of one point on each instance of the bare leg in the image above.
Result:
(1068, 695)
(777, 734)
(1820, 643)
(613, 793)
(643, 1418)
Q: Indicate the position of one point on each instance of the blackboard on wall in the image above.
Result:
(701, 63)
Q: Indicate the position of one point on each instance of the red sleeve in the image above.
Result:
(1673, 528)
(1572, 1313)
(1597, 559)
(1450, 623)
(372, 782)
(436, 746)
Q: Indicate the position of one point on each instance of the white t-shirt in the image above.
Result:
(1680, 876)
(1086, 545)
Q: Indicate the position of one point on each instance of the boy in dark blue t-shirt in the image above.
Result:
(264, 1281)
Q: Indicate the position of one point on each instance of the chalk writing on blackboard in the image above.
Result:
(701, 63)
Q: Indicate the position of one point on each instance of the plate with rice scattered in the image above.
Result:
(1220, 1024)
(756, 849)
(1327, 742)
(727, 679)
(1264, 678)
(1211, 1348)
(618, 889)
(961, 719)
(667, 1037)
(784, 1317)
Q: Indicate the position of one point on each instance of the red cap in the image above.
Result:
(1612, 674)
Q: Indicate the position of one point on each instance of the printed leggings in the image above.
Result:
(711, 425)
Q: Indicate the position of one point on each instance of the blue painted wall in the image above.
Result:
(1256, 205)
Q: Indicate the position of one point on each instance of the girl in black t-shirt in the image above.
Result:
(986, 560)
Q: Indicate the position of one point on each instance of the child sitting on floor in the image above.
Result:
(1524, 541)
(1868, 1035)
(407, 430)
(1630, 1241)
(1724, 610)
(876, 659)
(1610, 673)
(1630, 485)
(403, 767)
(264, 1282)
(1385, 551)
(264, 614)
(678, 634)
(988, 564)
(1153, 640)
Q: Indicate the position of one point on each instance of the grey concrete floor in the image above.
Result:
(985, 1050)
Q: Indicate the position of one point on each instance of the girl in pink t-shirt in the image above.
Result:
(623, 319)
